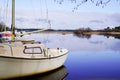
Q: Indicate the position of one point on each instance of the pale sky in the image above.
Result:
(32, 14)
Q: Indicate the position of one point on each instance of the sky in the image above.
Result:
(33, 14)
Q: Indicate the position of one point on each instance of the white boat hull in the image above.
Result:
(17, 67)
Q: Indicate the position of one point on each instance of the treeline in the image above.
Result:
(116, 29)
(81, 30)
(4, 27)
(108, 29)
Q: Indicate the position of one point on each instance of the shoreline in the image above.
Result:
(102, 33)
(87, 33)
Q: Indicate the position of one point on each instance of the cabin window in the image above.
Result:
(32, 50)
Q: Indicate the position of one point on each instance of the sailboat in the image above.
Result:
(26, 57)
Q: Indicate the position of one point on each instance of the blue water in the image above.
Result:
(93, 58)
(92, 65)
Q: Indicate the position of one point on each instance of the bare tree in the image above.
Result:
(78, 3)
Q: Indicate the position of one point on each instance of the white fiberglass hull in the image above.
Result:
(11, 67)
(19, 59)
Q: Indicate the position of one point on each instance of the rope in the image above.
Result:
(46, 40)
(46, 10)
(32, 5)
(48, 21)
(6, 12)
(41, 8)
(2, 12)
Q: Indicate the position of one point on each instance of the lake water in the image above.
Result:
(94, 57)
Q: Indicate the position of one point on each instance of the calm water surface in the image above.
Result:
(91, 58)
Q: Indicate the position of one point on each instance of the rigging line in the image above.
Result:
(41, 12)
(62, 40)
(47, 14)
(3, 28)
(47, 36)
(6, 11)
(46, 10)
(32, 18)
(0, 10)
(41, 8)
(1, 14)
(32, 7)
(4, 8)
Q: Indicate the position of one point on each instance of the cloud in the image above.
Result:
(116, 46)
(96, 21)
(66, 19)
(41, 20)
(21, 19)
(115, 17)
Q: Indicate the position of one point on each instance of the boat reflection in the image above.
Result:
(58, 74)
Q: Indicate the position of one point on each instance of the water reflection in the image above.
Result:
(72, 43)
(112, 35)
(95, 58)
(58, 74)
(91, 65)
(88, 36)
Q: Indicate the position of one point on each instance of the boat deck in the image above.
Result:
(20, 50)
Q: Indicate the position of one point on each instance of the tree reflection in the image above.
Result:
(81, 35)
(88, 36)
(112, 35)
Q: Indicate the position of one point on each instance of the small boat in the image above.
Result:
(20, 58)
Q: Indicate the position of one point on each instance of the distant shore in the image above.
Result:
(52, 31)
(97, 32)
(100, 33)
(90, 33)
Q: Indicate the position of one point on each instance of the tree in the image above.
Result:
(117, 28)
(102, 3)
(3, 27)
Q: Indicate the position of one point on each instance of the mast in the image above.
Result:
(13, 20)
